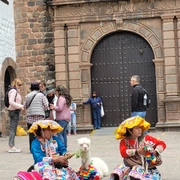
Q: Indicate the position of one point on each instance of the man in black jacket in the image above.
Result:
(137, 107)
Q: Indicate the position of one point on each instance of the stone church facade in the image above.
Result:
(55, 41)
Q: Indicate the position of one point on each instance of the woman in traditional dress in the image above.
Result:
(133, 146)
(50, 155)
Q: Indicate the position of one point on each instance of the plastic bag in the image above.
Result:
(20, 131)
(102, 111)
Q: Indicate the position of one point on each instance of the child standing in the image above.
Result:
(73, 119)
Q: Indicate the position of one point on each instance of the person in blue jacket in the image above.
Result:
(96, 103)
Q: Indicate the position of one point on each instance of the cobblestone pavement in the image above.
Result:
(103, 145)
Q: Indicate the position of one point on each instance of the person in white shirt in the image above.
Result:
(52, 99)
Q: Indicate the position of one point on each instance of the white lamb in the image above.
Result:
(98, 163)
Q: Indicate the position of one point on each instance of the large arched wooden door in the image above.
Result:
(115, 59)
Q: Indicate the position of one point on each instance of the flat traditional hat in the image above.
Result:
(129, 124)
(34, 86)
(53, 125)
(49, 90)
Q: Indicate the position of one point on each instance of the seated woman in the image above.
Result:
(50, 155)
(133, 146)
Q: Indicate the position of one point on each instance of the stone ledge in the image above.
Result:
(168, 126)
(152, 129)
(172, 99)
(86, 129)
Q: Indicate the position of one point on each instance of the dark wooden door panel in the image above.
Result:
(115, 59)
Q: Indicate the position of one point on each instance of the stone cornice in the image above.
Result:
(114, 8)
(70, 2)
(172, 99)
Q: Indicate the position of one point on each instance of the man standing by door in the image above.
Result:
(137, 107)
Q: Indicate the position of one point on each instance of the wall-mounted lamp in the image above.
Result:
(141, 51)
(5, 1)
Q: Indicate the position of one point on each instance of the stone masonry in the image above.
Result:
(34, 42)
(55, 40)
(34, 59)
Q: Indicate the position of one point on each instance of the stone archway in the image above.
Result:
(8, 73)
(107, 28)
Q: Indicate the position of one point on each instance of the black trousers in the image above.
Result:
(31, 136)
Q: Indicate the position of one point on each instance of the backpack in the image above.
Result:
(146, 99)
(6, 97)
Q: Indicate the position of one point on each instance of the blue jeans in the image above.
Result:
(62, 135)
(73, 123)
(14, 119)
(97, 118)
(141, 114)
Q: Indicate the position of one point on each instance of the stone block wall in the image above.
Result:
(95, 20)
(34, 42)
(78, 28)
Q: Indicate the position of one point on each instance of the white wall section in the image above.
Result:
(7, 31)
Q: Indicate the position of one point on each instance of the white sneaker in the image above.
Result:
(14, 150)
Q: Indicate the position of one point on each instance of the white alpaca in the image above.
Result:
(98, 163)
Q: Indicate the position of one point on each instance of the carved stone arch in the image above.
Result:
(148, 35)
(94, 38)
(7, 74)
(108, 28)
(8, 68)
(99, 33)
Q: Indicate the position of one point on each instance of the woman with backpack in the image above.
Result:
(14, 109)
